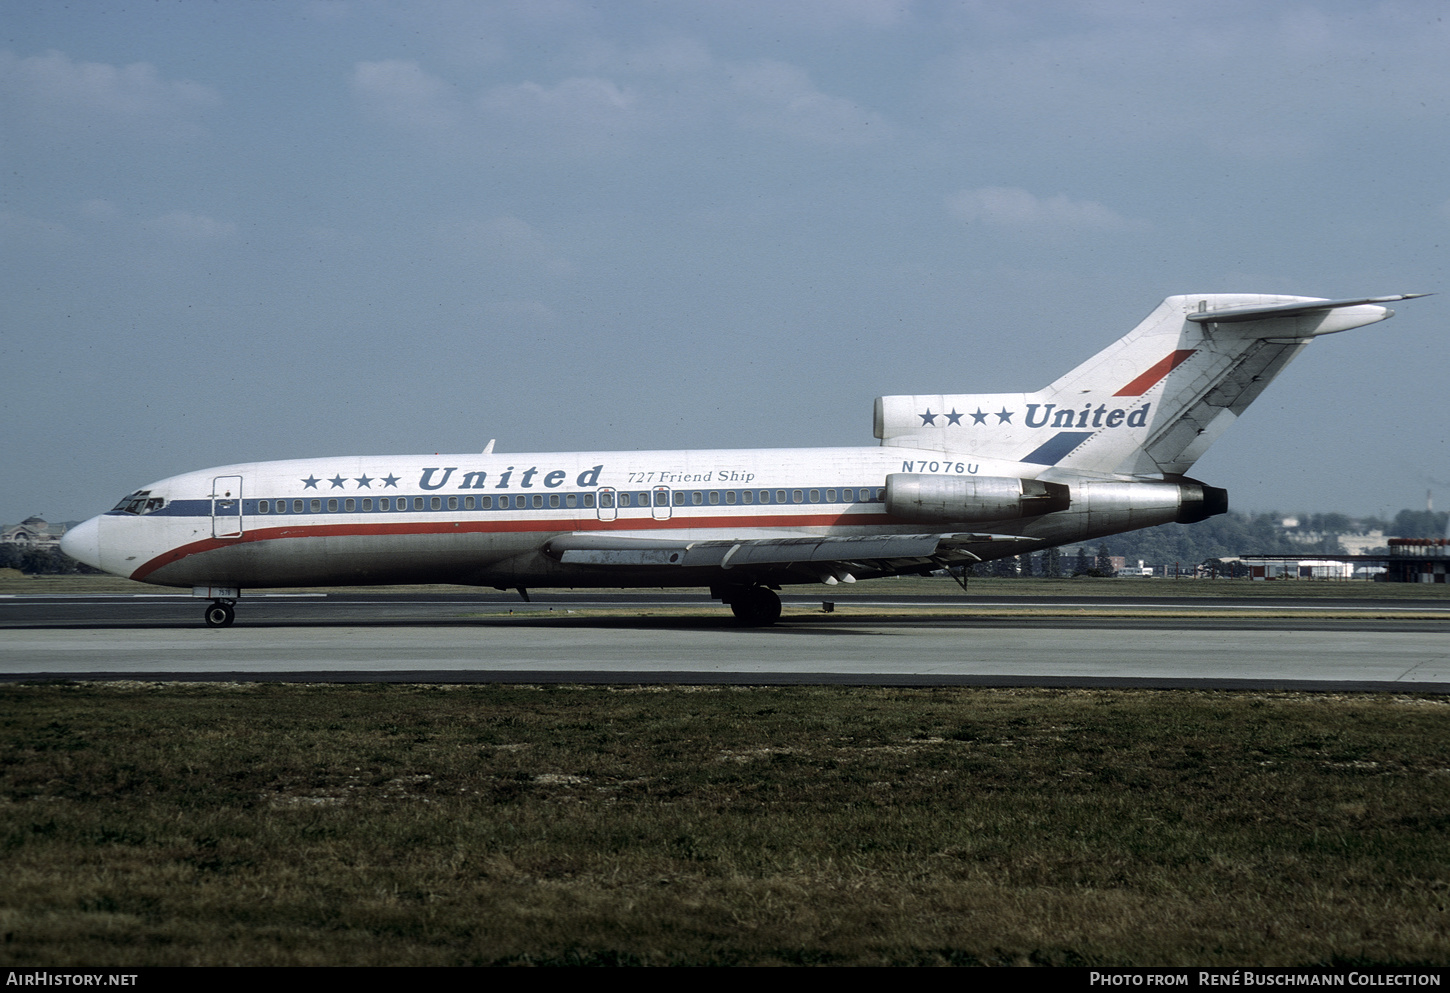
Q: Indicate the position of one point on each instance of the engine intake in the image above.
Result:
(971, 499)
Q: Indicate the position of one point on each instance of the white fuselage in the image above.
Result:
(485, 519)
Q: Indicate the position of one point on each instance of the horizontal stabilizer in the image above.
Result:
(1233, 315)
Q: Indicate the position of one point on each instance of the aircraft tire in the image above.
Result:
(756, 607)
(220, 615)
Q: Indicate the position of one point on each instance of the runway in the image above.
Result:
(669, 638)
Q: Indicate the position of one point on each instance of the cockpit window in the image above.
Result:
(140, 502)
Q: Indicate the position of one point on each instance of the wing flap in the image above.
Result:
(583, 548)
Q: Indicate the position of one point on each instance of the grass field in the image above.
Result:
(170, 824)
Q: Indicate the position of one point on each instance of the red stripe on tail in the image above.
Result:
(1149, 379)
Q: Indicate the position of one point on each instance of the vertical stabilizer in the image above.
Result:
(1149, 404)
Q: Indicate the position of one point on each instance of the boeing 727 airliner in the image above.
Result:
(957, 478)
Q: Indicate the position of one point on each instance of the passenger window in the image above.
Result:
(486, 502)
(316, 506)
(815, 496)
(296, 506)
(452, 503)
(571, 499)
(263, 507)
(436, 503)
(418, 503)
(697, 498)
(780, 496)
(349, 505)
(714, 496)
(661, 498)
(553, 500)
(623, 499)
(589, 499)
(367, 503)
(831, 495)
(332, 506)
(538, 500)
(729, 496)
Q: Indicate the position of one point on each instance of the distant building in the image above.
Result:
(1284, 567)
(33, 532)
(1407, 560)
(1419, 560)
(1360, 544)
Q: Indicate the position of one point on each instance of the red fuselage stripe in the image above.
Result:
(553, 526)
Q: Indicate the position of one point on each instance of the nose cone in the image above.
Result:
(83, 542)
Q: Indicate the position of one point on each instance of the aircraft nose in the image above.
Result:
(83, 542)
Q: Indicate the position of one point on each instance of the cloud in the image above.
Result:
(1264, 83)
(574, 97)
(55, 91)
(1016, 209)
(509, 241)
(780, 97)
(615, 95)
(21, 232)
(185, 226)
(403, 95)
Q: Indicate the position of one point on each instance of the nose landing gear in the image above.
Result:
(219, 614)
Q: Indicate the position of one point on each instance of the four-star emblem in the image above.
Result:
(339, 482)
(979, 416)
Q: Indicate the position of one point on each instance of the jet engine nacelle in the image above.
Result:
(1144, 503)
(969, 499)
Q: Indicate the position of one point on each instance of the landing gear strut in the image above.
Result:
(753, 606)
(219, 614)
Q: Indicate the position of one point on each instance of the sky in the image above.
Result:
(234, 231)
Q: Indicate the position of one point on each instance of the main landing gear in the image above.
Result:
(753, 606)
(219, 614)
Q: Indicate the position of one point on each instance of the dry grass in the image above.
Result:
(147, 824)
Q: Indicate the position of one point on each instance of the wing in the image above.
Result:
(818, 556)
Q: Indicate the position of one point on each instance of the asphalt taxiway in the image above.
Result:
(1344, 644)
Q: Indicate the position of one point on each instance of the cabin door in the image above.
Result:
(604, 503)
(226, 507)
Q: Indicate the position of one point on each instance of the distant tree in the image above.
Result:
(1052, 563)
(1025, 566)
(1083, 565)
(1104, 563)
(1333, 524)
(1420, 524)
(1005, 568)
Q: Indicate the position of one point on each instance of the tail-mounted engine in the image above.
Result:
(971, 499)
(1123, 505)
